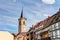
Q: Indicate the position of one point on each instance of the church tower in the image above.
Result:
(22, 23)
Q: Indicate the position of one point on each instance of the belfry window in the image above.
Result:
(24, 22)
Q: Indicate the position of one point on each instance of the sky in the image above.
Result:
(34, 10)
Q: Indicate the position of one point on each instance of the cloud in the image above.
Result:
(49, 1)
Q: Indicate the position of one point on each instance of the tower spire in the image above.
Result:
(22, 13)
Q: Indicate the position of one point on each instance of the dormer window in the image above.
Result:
(41, 26)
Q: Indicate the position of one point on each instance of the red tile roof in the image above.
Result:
(14, 35)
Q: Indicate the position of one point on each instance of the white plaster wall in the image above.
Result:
(4, 35)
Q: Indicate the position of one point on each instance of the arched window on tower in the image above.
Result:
(24, 22)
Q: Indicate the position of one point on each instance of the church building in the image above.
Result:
(21, 29)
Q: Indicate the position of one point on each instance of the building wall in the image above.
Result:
(4, 35)
(55, 31)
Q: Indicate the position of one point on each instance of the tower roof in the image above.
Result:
(22, 13)
(22, 16)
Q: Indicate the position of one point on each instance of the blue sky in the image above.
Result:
(34, 11)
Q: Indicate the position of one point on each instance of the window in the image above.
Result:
(36, 28)
(54, 34)
(59, 24)
(52, 27)
(24, 22)
(19, 23)
(41, 26)
(39, 37)
(59, 18)
(50, 34)
(58, 33)
(56, 25)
